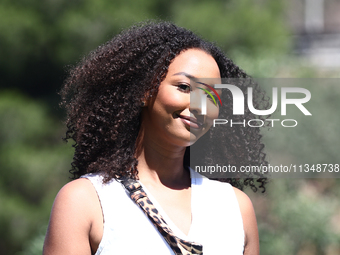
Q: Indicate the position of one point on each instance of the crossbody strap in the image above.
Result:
(178, 245)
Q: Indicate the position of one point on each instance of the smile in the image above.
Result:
(191, 122)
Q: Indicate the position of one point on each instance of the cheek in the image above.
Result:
(212, 110)
(170, 101)
(212, 113)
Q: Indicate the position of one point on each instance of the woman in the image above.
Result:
(130, 115)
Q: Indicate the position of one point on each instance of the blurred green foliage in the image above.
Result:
(315, 139)
(248, 26)
(38, 39)
(301, 216)
(33, 166)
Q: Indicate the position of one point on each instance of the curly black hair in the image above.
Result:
(103, 96)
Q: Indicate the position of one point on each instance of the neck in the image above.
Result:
(160, 164)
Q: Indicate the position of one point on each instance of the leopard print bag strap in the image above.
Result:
(179, 246)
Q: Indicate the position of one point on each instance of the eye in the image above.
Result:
(212, 97)
(215, 97)
(184, 87)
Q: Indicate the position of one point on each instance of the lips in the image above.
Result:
(191, 122)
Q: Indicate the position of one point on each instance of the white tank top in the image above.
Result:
(216, 220)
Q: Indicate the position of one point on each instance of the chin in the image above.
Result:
(193, 139)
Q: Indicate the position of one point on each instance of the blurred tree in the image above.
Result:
(315, 139)
(300, 216)
(33, 167)
(247, 26)
(39, 38)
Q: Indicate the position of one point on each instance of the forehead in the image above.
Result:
(195, 62)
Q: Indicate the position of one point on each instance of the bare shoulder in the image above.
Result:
(74, 212)
(76, 196)
(76, 190)
(243, 200)
(249, 223)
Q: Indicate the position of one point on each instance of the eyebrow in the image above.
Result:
(186, 74)
(196, 80)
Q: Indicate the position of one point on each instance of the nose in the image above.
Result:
(198, 102)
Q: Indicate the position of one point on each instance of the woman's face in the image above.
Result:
(175, 116)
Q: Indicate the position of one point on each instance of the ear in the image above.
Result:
(148, 98)
(145, 100)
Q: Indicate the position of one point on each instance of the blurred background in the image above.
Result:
(40, 40)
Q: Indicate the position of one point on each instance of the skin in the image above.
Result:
(165, 133)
